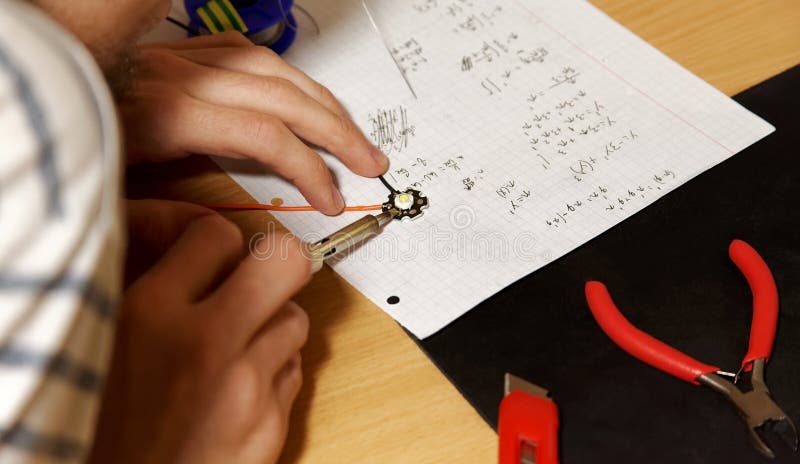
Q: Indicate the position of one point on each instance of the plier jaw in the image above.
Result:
(757, 409)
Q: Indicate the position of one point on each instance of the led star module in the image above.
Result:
(409, 203)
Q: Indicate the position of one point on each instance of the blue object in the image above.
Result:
(269, 22)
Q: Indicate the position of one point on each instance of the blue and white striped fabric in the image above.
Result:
(60, 239)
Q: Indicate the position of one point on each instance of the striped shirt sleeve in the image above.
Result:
(60, 239)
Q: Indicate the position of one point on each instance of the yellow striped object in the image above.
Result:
(221, 16)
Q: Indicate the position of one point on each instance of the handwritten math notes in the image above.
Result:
(537, 125)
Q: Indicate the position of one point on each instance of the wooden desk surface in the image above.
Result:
(370, 395)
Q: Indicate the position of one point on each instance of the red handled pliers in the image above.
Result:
(756, 407)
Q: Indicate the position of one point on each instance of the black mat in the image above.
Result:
(668, 270)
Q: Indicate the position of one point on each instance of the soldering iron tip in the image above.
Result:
(387, 216)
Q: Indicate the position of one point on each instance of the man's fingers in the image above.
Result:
(206, 250)
(176, 124)
(279, 339)
(261, 61)
(303, 115)
(258, 289)
(215, 111)
(279, 90)
(202, 127)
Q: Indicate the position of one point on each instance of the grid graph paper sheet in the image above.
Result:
(537, 126)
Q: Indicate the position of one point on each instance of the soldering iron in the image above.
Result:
(348, 237)
(399, 206)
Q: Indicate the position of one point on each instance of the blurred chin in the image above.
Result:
(113, 39)
(118, 59)
(120, 71)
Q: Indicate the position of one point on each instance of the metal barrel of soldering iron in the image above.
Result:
(348, 237)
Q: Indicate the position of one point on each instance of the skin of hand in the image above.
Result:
(207, 361)
(222, 95)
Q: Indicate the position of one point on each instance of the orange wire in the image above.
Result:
(259, 206)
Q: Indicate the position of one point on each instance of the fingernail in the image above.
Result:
(378, 156)
(336, 196)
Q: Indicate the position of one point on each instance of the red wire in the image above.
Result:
(259, 206)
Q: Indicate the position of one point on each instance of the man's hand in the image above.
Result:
(207, 360)
(222, 95)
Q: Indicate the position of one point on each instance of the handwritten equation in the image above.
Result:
(409, 56)
(515, 195)
(570, 132)
(633, 196)
(420, 173)
(390, 130)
